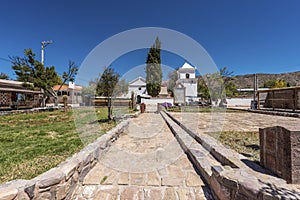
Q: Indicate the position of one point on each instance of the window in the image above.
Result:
(29, 97)
(65, 93)
(187, 75)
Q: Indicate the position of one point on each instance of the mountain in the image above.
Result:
(246, 81)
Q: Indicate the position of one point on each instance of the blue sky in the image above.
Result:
(246, 36)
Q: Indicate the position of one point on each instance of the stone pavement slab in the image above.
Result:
(146, 162)
(232, 121)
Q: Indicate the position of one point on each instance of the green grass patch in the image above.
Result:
(31, 144)
(245, 143)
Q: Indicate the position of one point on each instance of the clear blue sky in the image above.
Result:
(246, 36)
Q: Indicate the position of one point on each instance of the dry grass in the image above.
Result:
(245, 143)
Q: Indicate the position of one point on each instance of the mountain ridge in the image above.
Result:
(246, 80)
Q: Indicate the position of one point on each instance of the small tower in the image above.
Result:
(187, 77)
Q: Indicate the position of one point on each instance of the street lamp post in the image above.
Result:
(44, 44)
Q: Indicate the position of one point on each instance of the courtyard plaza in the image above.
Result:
(146, 162)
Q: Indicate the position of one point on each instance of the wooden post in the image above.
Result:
(294, 99)
(258, 103)
(254, 87)
(273, 99)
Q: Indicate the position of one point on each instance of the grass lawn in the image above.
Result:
(31, 144)
(246, 143)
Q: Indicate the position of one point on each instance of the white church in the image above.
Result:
(186, 85)
(185, 90)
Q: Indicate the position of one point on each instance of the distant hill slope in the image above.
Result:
(246, 81)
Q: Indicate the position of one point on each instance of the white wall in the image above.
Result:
(136, 90)
(239, 102)
(190, 89)
(183, 75)
(155, 101)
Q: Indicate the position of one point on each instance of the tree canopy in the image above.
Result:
(70, 74)
(107, 82)
(90, 89)
(217, 85)
(121, 87)
(173, 77)
(153, 69)
(4, 76)
(29, 70)
(276, 84)
(106, 86)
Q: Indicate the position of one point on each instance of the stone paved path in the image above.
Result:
(233, 121)
(146, 162)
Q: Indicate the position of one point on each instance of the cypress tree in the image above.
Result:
(153, 69)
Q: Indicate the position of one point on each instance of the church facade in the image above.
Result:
(187, 80)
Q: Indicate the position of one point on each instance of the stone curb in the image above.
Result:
(270, 112)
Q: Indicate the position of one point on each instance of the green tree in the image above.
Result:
(269, 84)
(230, 89)
(218, 85)
(153, 69)
(4, 76)
(227, 77)
(121, 87)
(70, 74)
(36, 76)
(276, 84)
(106, 86)
(202, 88)
(281, 83)
(173, 77)
(90, 89)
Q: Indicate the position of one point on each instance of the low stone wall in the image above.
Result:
(60, 182)
(239, 178)
(247, 180)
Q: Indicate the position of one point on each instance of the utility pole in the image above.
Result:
(254, 87)
(44, 44)
(254, 103)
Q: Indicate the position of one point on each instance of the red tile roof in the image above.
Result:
(64, 87)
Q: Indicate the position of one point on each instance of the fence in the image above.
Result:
(117, 102)
(281, 98)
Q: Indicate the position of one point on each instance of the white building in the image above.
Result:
(187, 79)
(138, 87)
(74, 93)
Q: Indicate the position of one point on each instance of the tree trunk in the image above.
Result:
(56, 100)
(109, 109)
(54, 95)
(44, 101)
(65, 99)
